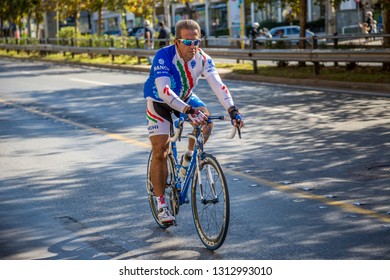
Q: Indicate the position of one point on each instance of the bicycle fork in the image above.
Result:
(210, 179)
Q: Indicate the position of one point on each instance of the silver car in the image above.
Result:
(288, 31)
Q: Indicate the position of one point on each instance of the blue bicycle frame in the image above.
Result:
(183, 187)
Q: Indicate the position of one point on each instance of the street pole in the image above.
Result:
(242, 23)
(167, 16)
(358, 11)
(45, 26)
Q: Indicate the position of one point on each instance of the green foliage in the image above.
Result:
(68, 32)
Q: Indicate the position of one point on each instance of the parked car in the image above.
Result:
(288, 31)
(140, 33)
(133, 31)
(112, 32)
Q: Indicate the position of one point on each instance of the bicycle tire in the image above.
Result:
(169, 189)
(211, 215)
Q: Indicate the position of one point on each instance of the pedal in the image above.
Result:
(168, 224)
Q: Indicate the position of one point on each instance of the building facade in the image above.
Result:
(230, 17)
(216, 16)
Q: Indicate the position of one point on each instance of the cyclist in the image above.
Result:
(174, 73)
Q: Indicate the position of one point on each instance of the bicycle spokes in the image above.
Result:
(210, 203)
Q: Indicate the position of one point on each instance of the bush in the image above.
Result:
(68, 32)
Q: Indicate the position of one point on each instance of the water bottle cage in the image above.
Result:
(184, 167)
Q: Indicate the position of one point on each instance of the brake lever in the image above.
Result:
(180, 133)
(238, 127)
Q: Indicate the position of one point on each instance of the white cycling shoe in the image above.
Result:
(165, 216)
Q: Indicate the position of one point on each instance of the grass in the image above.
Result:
(79, 58)
(363, 74)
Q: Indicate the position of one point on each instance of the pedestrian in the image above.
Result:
(369, 21)
(164, 35)
(365, 28)
(368, 25)
(374, 27)
(253, 33)
(149, 39)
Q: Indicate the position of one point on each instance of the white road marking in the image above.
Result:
(89, 82)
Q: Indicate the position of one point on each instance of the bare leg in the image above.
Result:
(158, 166)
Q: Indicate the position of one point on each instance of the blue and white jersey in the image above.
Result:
(184, 76)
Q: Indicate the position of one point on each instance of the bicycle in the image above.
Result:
(209, 190)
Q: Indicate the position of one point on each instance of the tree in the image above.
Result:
(143, 8)
(12, 10)
(34, 10)
(6, 12)
(386, 22)
(97, 6)
(385, 4)
(302, 22)
(72, 8)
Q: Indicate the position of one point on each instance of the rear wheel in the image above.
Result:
(210, 203)
(170, 191)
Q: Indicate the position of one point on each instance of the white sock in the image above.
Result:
(160, 202)
(189, 153)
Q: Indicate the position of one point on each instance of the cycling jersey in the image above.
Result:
(183, 77)
(158, 115)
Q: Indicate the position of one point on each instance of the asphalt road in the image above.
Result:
(309, 180)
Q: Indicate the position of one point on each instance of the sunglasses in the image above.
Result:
(188, 42)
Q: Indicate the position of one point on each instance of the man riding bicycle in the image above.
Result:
(175, 72)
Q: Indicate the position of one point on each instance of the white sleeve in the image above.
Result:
(168, 95)
(216, 84)
(220, 89)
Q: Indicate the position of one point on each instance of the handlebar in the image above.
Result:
(179, 123)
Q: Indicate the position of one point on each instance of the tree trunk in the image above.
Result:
(386, 30)
(38, 20)
(188, 10)
(29, 25)
(76, 23)
(100, 22)
(302, 24)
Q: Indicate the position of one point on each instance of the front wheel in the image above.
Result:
(210, 203)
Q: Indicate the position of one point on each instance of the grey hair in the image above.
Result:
(188, 24)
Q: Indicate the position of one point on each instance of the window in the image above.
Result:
(293, 31)
(219, 17)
